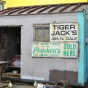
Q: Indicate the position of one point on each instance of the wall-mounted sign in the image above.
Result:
(55, 49)
(64, 32)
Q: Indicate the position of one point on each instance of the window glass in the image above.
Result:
(41, 33)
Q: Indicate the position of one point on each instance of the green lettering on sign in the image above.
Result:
(55, 50)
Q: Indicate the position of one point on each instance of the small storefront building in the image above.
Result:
(52, 41)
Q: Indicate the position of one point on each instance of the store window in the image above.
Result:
(41, 33)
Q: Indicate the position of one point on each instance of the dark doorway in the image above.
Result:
(10, 46)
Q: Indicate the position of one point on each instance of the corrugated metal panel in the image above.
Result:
(59, 8)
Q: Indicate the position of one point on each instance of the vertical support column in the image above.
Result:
(0, 72)
(86, 43)
(81, 67)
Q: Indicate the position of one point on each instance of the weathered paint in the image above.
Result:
(39, 67)
(86, 52)
(56, 75)
(86, 43)
(54, 49)
(81, 60)
(64, 32)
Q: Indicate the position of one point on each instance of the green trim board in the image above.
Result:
(81, 59)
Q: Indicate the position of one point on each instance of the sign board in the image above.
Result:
(64, 32)
(55, 49)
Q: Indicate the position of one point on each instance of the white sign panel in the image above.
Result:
(64, 32)
(55, 49)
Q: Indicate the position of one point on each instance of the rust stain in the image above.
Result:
(56, 75)
(21, 9)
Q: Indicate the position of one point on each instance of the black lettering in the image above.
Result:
(61, 27)
(71, 38)
(74, 32)
(67, 27)
(57, 33)
(62, 32)
(55, 27)
(67, 33)
(53, 33)
(72, 26)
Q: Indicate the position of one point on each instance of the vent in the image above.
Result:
(2, 4)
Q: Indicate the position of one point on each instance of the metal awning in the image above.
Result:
(41, 9)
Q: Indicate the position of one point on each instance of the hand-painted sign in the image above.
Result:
(55, 49)
(64, 32)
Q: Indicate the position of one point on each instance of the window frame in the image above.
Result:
(40, 25)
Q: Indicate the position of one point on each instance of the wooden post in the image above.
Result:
(0, 71)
